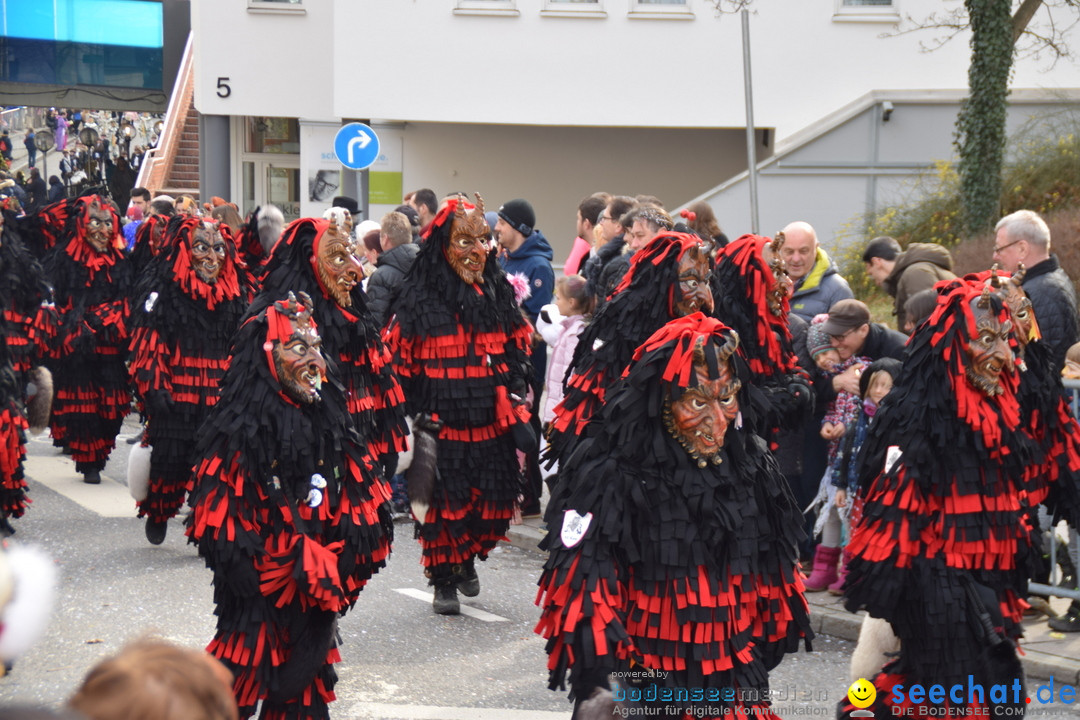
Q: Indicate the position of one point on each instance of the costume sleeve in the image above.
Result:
(582, 600)
(150, 367)
(247, 534)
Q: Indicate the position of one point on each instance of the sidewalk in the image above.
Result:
(1045, 653)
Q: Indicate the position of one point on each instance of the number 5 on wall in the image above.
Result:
(223, 88)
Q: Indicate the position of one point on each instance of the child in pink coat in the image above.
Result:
(560, 324)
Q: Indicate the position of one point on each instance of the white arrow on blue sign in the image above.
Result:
(356, 146)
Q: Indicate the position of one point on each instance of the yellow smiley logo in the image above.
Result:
(862, 693)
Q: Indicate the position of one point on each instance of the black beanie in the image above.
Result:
(519, 215)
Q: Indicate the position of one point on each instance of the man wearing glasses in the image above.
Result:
(1023, 241)
(611, 240)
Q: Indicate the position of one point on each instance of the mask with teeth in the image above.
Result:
(336, 265)
(987, 347)
(467, 248)
(98, 222)
(296, 349)
(693, 291)
(207, 252)
(700, 417)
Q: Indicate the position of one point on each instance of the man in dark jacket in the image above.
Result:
(398, 253)
(818, 282)
(851, 333)
(528, 253)
(611, 243)
(904, 273)
(39, 193)
(1023, 240)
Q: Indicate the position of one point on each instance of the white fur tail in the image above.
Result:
(138, 471)
(876, 643)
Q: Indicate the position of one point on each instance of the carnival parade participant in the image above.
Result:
(668, 278)
(946, 543)
(186, 310)
(92, 285)
(289, 512)
(460, 347)
(674, 563)
(317, 257)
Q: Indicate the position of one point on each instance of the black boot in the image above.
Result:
(469, 584)
(92, 477)
(445, 601)
(155, 530)
(1069, 622)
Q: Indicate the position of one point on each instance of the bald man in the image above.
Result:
(818, 283)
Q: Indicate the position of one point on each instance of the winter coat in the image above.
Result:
(597, 261)
(917, 268)
(1053, 297)
(816, 291)
(561, 334)
(533, 260)
(385, 283)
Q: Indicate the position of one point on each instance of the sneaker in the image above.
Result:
(445, 601)
(470, 582)
(1068, 623)
(155, 531)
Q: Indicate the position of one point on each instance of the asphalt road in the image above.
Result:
(399, 660)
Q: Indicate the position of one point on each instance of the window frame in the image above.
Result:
(867, 13)
(644, 10)
(562, 8)
(276, 7)
(504, 8)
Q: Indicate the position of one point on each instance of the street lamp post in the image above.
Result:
(44, 142)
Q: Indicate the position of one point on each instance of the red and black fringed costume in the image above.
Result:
(674, 562)
(649, 295)
(258, 235)
(316, 257)
(22, 291)
(749, 296)
(288, 511)
(149, 241)
(30, 319)
(461, 350)
(187, 308)
(947, 542)
(92, 285)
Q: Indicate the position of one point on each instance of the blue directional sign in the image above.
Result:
(356, 146)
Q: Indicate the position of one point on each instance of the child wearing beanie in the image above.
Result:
(839, 417)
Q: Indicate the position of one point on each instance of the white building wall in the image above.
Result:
(519, 99)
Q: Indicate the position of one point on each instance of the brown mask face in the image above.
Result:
(299, 363)
(338, 269)
(97, 223)
(207, 253)
(467, 250)
(988, 349)
(782, 286)
(693, 292)
(699, 419)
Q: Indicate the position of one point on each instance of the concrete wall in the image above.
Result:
(860, 164)
(555, 168)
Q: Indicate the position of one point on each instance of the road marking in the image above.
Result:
(434, 712)
(57, 472)
(465, 610)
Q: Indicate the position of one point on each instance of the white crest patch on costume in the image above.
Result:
(892, 456)
(150, 300)
(574, 527)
